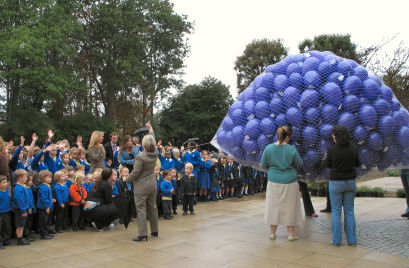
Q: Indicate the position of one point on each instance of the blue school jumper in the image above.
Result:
(86, 165)
(204, 174)
(195, 159)
(165, 188)
(45, 197)
(61, 193)
(88, 187)
(115, 190)
(20, 198)
(166, 164)
(5, 205)
(36, 165)
(31, 204)
(69, 183)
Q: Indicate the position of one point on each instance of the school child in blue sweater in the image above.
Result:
(15, 162)
(38, 163)
(61, 205)
(51, 157)
(193, 156)
(5, 208)
(44, 204)
(159, 180)
(32, 209)
(20, 205)
(70, 176)
(88, 183)
(204, 176)
(83, 161)
(174, 181)
(167, 190)
(167, 163)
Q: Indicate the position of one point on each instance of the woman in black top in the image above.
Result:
(101, 211)
(342, 158)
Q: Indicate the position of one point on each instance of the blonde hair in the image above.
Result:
(58, 174)
(2, 145)
(44, 174)
(79, 177)
(19, 173)
(283, 133)
(123, 168)
(95, 137)
(189, 165)
(73, 151)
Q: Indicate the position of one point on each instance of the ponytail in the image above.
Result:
(283, 133)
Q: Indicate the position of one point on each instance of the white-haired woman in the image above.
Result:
(96, 151)
(144, 181)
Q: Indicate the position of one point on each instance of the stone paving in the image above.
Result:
(229, 233)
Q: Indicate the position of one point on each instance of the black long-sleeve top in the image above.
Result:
(342, 161)
(103, 195)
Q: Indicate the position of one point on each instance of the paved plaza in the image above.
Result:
(229, 233)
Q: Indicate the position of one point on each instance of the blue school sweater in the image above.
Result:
(5, 201)
(88, 187)
(20, 198)
(115, 189)
(165, 188)
(45, 197)
(86, 165)
(31, 204)
(68, 182)
(36, 165)
(165, 163)
(61, 193)
(194, 158)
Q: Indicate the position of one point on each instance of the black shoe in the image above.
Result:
(67, 229)
(82, 228)
(140, 238)
(52, 232)
(46, 237)
(174, 212)
(22, 242)
(326, 210)
(7, 242)
(30, 239)
(405, 215)
(184, 213)
(192, 213)
(154, 234)
(59, 231)
(168, 217)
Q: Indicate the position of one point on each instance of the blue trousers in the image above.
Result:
(404, 175)
(342, 194)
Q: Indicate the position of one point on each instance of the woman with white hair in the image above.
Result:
(144, 181)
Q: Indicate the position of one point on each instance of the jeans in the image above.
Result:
(404, 175)
(342, 194)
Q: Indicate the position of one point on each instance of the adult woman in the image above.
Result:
(128, 152)
(96, 151)
(4, 162)
(144, 181)
(342, 158)
(282, 195)
(101, 211)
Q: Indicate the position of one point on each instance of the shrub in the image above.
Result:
(400, 193)
(393, 173)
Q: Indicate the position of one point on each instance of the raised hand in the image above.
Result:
(159, 143)
(22, 139)
(34, 137)
(50, 134)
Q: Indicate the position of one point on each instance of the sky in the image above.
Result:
(223, 28)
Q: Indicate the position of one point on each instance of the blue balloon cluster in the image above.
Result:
(310, 93)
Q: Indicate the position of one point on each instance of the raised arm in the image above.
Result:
(34, 139)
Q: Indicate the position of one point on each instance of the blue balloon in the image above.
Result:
(403, 137)
(263, 141)
(326, 131)
(237, 105)
(296, 134)
(238, 116)
(375, 141)
(399, 118)
(227, 124)
(252, 129)
(376, 79)
(344, 68)
(336, 78)
(370, 89)
(332, 93)
(296, 80)
(311, 158)
(249, 107)
(221, 138)
(347, 120)
(364, 101)
(351, 103)
(276, 106)
(238, 154)
(268, 126)
(386, 93)
(317, 54)
(323, 146)
(329, 114)
(280, 82)
(262, 93)
(309, 98)
(294, 116)
(291, 96)
(237, 135)
(382, 107)
(312, 116)
(262, 109)
(312, 79)
(310, 136)
(386, 126)
(368, 115)
(365, 156)
(353, 63)
(361, 72)
(360, 133)
(293, 68)
(278, 68)
(395, 105)
(247, 94)
(268, 81)
(295, 58)
(280, 120)
(325, 68)
(249, 145)
(352, 85)
(310, 64)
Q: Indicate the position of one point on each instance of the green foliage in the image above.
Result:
(400, 193)
(365, 191)
(256, 57)
(196, 111)
(339, 44)
(393, 173)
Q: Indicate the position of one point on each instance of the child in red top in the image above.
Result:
(78, 194)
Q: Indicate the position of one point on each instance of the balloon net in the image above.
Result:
(310, 93)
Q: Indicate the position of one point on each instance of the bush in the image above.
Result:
(365, 191)
(400, 193)
(393, 173)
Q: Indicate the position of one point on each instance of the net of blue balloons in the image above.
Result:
(311, 92)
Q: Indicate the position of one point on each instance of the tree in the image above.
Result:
(339, 44)
(196, 111)
(256, 57)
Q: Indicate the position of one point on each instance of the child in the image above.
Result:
(174, 180)
(78, 194)
(61, 208)
(204, 176)
(65, 159)
(167, 162)
(31, 209)
(83, 161)
(159, 180)
(248, 173)
(88, 183)
(70, 175)
(5, 208)
(20, 205)
(45, 204)
(167, 190)
(192, 156)
(188, 189)
(38, 163)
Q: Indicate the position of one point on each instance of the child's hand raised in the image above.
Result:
(50, 134)
(22, 139)
(34, 137)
